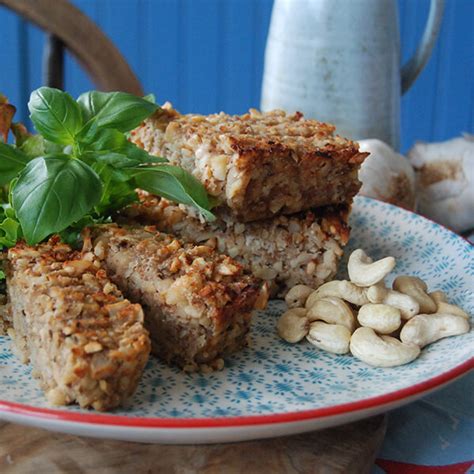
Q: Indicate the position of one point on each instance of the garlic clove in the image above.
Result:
(387, 175)
(445, 181)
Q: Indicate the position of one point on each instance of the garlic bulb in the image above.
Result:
(387, 175)
(445, 181)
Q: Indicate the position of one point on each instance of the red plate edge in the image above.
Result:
(139, 422)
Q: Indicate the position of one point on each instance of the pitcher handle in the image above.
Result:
(417, 62)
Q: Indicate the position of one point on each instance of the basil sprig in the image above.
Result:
(116, 110)
(12, 161)
(80, 168)
(56, 115)
(9, 227)
(53, 192)
(175, 184)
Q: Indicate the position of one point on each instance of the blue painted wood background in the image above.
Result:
(207, 56)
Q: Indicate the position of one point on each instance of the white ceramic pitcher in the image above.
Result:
(339, 61)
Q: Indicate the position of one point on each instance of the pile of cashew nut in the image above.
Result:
(382, 327)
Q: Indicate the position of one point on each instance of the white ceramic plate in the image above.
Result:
(273, 388)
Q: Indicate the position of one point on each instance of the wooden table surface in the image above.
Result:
(345, 449)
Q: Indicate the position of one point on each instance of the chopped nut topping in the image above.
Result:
(93, 347)
(109, 288)
(227, 269)
(65, 306)
(198, 303)
(77, 266)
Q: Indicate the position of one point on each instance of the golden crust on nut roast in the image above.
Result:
(259, 165)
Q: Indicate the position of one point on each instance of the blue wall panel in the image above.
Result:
(75, 79)
(201, 54)
(207, 56)
(161, 49)
(440, 103)
(13, 78)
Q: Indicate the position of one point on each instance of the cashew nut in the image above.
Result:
(293, 325)
(297, 296)
(448, 308)
(441, 300)
(330, 337)
(438, 296)
(424, 329)
(363, 271)
(342, 289)
(415, 287)
(381, 318)
(381, 351)
(332, 310)
(407, 305)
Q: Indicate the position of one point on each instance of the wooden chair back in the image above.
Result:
(67, 25)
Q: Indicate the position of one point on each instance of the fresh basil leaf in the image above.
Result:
(113, 141)
(103, 139)
(9, 232)
(175, 184)
(117, 160)
(12, 161)
(88, 132)
(51, 193)
(33, 146)
(2, 275)
(55, 114)
(139, 154)
(117, 110)
(118, 189)
(51, 148)
(6, 211)
(10, 189)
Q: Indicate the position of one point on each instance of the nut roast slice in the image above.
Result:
(197, 303)
(86, 342)
(258, 165)
(303, 248)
